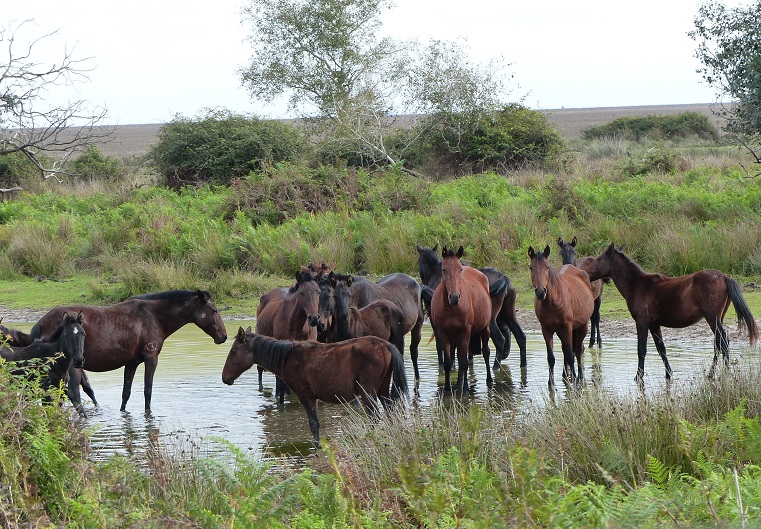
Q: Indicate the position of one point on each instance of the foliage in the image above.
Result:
(729, 48)
(92, 165)
(220, 146)
(637, 128)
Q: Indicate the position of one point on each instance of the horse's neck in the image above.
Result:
(30, 352)
(172, 315)
(627, 275)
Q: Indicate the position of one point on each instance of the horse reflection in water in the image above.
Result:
(335, 372)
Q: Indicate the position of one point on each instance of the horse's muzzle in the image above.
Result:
(78, 362)
(220, 339)
(313, 319)
(454, 299)
(541, 293)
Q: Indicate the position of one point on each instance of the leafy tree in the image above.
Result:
(729, 46)
(31, 123)
(355, 87)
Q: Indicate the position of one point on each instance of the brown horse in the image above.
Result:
(380, 318)
(568, 254)
(656, 301)
(503, 299)
(336, 372)
(563, 304)
(402, 290)
(461, 312)
(132, 332)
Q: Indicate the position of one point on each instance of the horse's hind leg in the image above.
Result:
(416, 335)
(594, 331)
(578, 350)
(310, 406)
(87, 387)
(720, 345)
(499, 340)
(485, 352)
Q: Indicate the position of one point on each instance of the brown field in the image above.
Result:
(134, 140)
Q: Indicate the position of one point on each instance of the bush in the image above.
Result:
(221, 146)
(655, 127)
(510, 138)
(92, 165)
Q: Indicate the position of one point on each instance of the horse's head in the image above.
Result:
(604, 264)
(308, 296)
(451, 273)
(342, 293)
(321, 270)
(428, 264)
(207, 317)
(567, 250)
(325, 303)
(540, 271)
(239, 359)
(72, 340)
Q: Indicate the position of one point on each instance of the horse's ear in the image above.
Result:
(349, 279)
(65, 318)
(611, 248)
(332, 279)
(81, 318)
(560, 242)
(205, 295)
(443, 250)
(573, 242)
(547, 251)
(531, 252)
(419, 248)
(435, 248)
(460, 252)
(248, 329)
(241, 333)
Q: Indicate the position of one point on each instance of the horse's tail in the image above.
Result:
(499, 286)
(426, 295)
(744, 317)
(399, 376)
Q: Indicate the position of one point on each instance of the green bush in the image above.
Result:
(221, 146)
(92, 165)
(655, 127)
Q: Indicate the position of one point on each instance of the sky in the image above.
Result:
(154, 60)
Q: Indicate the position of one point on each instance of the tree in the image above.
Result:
(729, 46)
(30, 122)
(354, 86)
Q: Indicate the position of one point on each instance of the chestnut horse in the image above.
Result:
(132, 332)
(461, 312)
(381, 318)
(656, 301)
(335, 372)
(563, 304)
(568, 254)
(503, 298)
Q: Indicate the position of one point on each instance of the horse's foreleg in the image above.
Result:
(463, 352)
(129, 375)
(310, 406)
(485, 352)
(569, 370)
(548, 340)
(578, 350)
(655, 332)
(416, 335)
(594, 331)
(446, 351)
(150, 371)
(75, 378)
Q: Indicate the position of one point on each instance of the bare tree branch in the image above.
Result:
(30, 122)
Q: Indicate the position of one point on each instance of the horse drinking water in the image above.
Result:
(132, 332)
(335, 372)
(656, 301)
(563, 304)
(462, 313)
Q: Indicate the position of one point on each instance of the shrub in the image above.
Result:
(92, 165)
(221, 146)
(656, 127)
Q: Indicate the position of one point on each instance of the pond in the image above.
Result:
(190, 403)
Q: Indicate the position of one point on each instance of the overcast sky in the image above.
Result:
(156, 59)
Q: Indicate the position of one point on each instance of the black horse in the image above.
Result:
(501, 291)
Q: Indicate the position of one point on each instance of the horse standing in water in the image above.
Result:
(132, 332)
(335, 372)
(563, 305)
(70, 342)
(656, 301)
(568, 254)
(381, 318)
(461, 312)
(503, 298)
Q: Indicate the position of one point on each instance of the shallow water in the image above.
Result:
(191, 406)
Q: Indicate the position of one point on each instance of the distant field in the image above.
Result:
(135, 140)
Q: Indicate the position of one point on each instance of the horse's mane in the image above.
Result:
(632, 264)
(170, 294)
(269, 350)
(299, 280)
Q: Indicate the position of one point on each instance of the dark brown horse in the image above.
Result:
(563, 304)
(656, 301)
(70, 343)
(402, 290)
(568, 254)
(132, 332)
(336, 372)
(461, 312)
(503, 299)
(381, 318)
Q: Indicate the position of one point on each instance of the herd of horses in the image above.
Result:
(336, 337)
